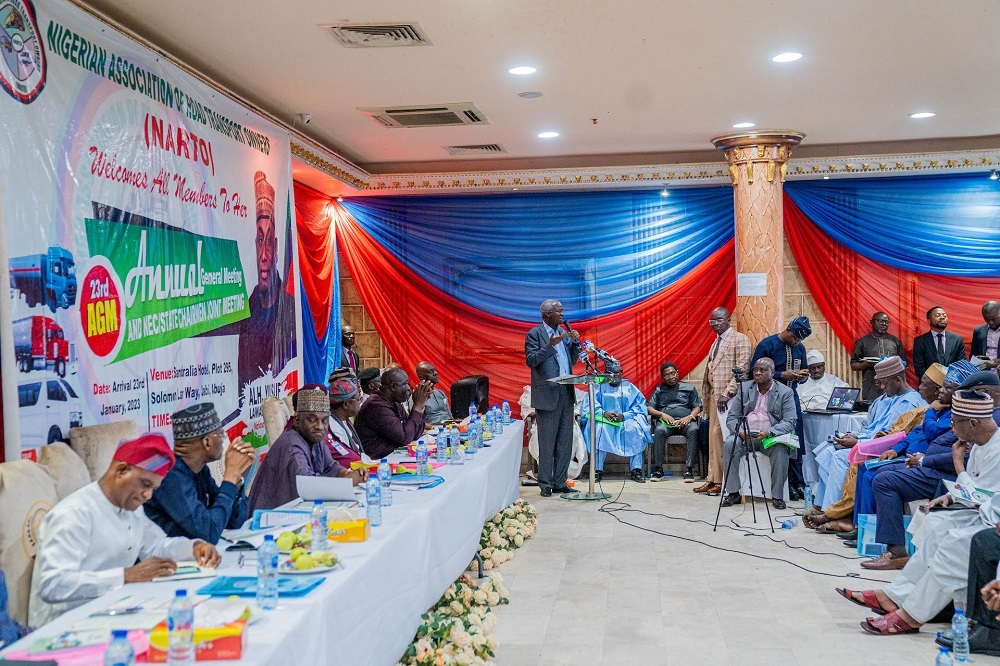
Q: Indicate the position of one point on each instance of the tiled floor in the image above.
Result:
(590, 590)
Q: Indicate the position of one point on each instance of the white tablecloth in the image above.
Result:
(368, 611)
(816, 428)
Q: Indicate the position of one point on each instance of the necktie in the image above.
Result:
(940, 348)
(715, 348)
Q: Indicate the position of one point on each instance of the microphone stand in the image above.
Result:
(590, 378)
(743, 427)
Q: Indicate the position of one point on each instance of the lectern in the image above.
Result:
(590, 379)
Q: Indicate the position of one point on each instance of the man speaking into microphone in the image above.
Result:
(551, 352)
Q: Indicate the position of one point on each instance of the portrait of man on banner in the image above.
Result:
(267, 338)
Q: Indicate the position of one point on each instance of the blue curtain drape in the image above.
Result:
(597, 252)
(943, 225)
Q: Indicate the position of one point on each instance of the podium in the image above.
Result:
(590, 379)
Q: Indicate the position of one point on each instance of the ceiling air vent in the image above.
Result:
(482, 149)
(373, 35)
(436, 115)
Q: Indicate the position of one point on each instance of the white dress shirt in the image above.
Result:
(85, 545)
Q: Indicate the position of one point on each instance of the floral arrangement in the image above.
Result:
(504, 533)
(457, 629)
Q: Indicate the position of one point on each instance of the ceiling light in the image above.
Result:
(530, 94)
(790, 56)
(548, 135)
(826, 178)
(743, 125)
(664, 192)
(993, 174)
(522, 71)
(922, 114)
(340, 199)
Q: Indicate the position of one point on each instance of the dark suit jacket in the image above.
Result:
(345, 359)
(979, 339)
(541, 358)
(925, 351)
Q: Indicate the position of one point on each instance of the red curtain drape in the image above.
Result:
(849, 288)
(316, 253)
(418, 322)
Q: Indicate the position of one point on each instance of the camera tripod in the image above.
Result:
(743, 427)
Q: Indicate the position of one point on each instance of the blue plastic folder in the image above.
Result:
(246, 586)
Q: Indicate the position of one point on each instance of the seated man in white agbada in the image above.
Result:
(814, 393)
(98, 538)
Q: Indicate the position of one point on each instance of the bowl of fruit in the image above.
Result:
(302, 561)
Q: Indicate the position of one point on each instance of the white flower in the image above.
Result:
(456, 607)
(518, 540)
(460, 636)
(495, 539)
(493, 598)
(479, 597)
(511, 531)
(487, 565)
(496, 578)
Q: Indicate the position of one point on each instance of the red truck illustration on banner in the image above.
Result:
(48, 278)
(40, 344)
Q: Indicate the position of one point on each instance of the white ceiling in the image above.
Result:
(659, 76)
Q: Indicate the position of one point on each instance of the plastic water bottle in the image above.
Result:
(443, 440)
(119, 652)
(473, 412)
(473, 443)
(373, 501)
(960, 637)
(320, 527)
(491, 421)
(267, 573)
(789, 523)
(180, 631)
(808, 498)
(457, 456)
(507, 420)
(422, 465)
(385, 480)
(943, 658)
(497, 420)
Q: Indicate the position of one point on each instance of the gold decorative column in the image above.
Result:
(757, 165)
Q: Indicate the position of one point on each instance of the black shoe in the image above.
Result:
(563, 489)
(688, 474)
(779, 504)
(982, 640)
(658, 473)
(731, 499)
(847, 536)
(546, 492)
(598, 475)
(795, 494)
(637, 476)
(851, 543)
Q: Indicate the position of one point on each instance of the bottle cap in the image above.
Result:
(385, 460)
(120, 633)
(268, 537)
(181, 593)
(317, 502)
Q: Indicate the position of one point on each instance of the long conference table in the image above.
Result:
(367, 610)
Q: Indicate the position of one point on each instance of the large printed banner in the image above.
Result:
(149, 235)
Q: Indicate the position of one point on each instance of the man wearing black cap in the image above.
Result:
(788, 353)
(189, 503)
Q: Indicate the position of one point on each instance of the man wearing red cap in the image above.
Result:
(97, 538)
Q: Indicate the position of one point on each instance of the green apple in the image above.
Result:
(285, 541)
(304, 561)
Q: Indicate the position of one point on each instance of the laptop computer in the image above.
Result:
(841, 401)
(324, 488)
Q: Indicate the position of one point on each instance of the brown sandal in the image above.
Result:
(810, 521)
(870, 602)
(832, 527)
(888, 625)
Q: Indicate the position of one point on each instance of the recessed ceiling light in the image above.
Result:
(340, 199)
(522, 71)
(529, 94)
(548, 135)
(743, 125)
(826, 178)
(664, 192)
(790, 56)
(922, 114)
